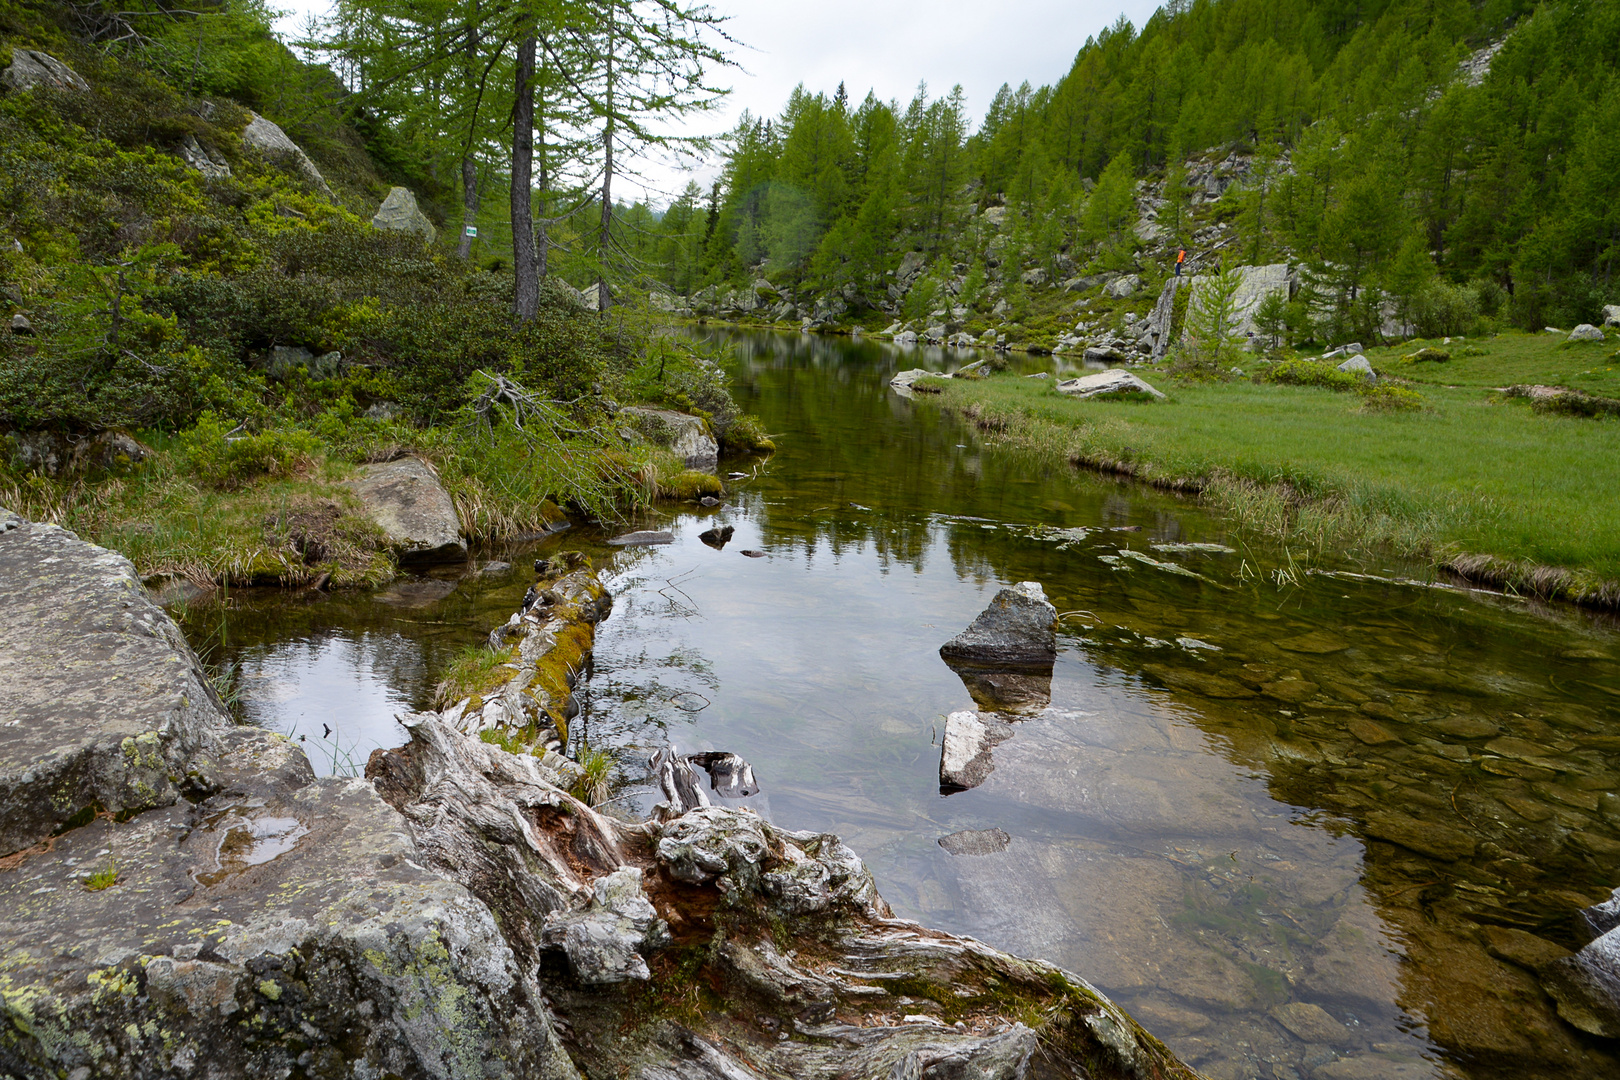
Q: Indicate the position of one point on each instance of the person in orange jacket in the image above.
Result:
(1181, 257)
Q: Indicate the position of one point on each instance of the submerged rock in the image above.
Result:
(1115, 382)
(975, 842)
(688, 437)
(407, 501)
(643, 538)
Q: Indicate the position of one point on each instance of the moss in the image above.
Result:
(690, 485)
(270, 989)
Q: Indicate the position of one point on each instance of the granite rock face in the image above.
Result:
(102, 705)
(223, 913)
(405, 498)
(686, 436)
(267, 138)
(30, 68)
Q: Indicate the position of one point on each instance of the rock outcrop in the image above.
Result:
(204, 159)
(406, 499)
(30, 68)
(688, 437)
(457, 914)
(1116, 382)
(267, 138)
(399, 213)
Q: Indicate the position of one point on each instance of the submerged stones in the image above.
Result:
(406, 499)
(976, 842)
(643, 538)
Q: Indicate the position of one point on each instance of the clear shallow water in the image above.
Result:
(1352, 802)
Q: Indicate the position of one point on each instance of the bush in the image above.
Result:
(225, 460)
(1429, 355)
(1445, 310)
(1315, 373)
(1391, 399)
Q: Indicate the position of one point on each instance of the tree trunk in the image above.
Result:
(542, 239)
(469, 203)
(526, 298)
(604, 298)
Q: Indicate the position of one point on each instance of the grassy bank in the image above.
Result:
(1475, 479)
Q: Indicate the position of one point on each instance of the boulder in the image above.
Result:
(904, 382)
(1157, 325)
(1255, 283)
(688, 437)
(406, 499)
(267, 138)
(1611, 314)
(1104, 354)
(643, 538)
(1034, 278)
(605, 942)
(399, 213)
(1585, 332)
(283, 360)
(910, 266)
(1586, 986)
(30, 68)
(1017, 630)
(1115, 382)
(906, 337)
(1123, 288)
(21, 325)
(204, 159)
(266, 922)
(1360, 366)
(964, 759)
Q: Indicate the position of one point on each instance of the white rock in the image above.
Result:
(30, 68)
(1107, 383)
(267, 137)
(1360, 366)
(400, 213)
(1585, 332)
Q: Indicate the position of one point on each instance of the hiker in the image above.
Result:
(1181, 257)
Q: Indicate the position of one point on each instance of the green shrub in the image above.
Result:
(1314, 373)
(227, 460)
(1429, 355)
(1384, 398)
(595, 784)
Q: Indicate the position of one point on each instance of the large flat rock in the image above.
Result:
(101, 703)
(407, 500)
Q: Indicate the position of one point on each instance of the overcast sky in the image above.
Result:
(883, 45)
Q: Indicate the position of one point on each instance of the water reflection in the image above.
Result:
(1311, 829)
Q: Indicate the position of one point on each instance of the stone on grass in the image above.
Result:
(399, 213)
(1358, 365)
(1123, 288)
(1585, 332)
(407, 501)
(31, 68)
(1017, 629)
(687, 437)
(21, 325)
(1104, 354)
(1611, 314)
(1115, 382)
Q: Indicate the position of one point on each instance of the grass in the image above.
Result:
(102, 879)
(1475, 480)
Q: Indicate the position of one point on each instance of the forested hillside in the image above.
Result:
(1395, 149)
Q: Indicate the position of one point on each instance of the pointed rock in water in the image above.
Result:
(729, 774)
(1111, 383)
(1018, 629)
(717, 538)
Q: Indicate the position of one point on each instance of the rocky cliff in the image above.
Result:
(181, 897)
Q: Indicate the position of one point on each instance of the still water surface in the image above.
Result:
(1299, 826)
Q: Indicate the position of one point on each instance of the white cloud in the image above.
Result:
(887, 46)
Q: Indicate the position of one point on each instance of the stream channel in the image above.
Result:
(1293, 822)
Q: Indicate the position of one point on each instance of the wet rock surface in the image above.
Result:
(1015, 631)
(407, 500)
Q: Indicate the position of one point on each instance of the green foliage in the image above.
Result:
(1210, 336)
(105, 878)
(227, 460)
(1314, 373)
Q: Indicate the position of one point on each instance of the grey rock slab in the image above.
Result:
(1018, 629)
(30, 68)
(284, 920)
(204, 159)
(102, 703)
(964, 759)
(1311, 1023)
(1611, 314)
(1123, 288)
(399, 213)
(267, 138)
(688, 437)
(1359, 365)
(407, 500)
(607, 941)
(1585, 332)
(976, 842)
(904, 382)
(1110, 383)
(643, 538)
